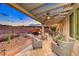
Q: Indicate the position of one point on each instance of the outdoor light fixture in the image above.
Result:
(48, 17)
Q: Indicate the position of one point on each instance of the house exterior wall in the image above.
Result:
(66, 30)
(76, 45)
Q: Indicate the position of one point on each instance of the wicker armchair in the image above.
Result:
(36, 43)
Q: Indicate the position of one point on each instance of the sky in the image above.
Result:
(10, 16)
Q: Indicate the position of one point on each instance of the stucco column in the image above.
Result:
(42, 29)
(43, 32)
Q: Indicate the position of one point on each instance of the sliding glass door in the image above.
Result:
(74, 24)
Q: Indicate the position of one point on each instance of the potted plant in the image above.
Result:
(53, 29)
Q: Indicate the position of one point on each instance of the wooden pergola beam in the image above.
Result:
(17, 7)
(49, 8)
(66, 9)
(36, 6)
(64, 12)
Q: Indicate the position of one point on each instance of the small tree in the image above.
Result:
(9, 38)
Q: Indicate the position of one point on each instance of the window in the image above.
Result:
(77, 23)
(71, 25)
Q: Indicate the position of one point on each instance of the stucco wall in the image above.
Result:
(66, 32)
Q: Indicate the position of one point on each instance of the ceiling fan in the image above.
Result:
(47, 16)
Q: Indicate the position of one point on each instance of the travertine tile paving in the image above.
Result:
(44, 51)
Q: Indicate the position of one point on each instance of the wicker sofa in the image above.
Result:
(63, 48)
